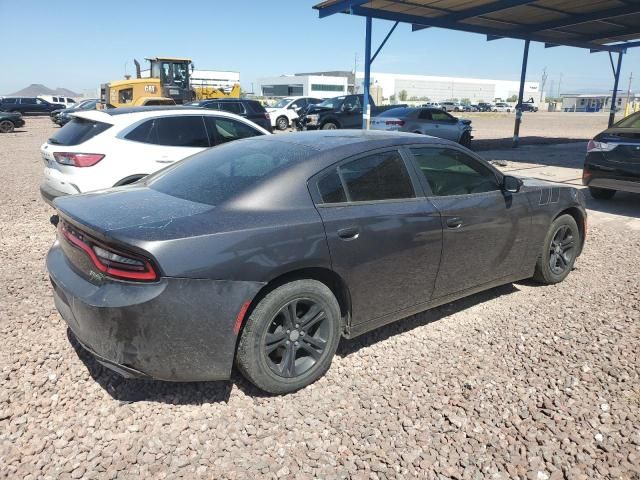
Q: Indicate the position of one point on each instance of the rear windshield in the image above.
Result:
(216, 175)
(256, 107)
(78, 131)
(632, 121)
(396, 112)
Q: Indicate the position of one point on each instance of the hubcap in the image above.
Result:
(562, 249)
(296, 338)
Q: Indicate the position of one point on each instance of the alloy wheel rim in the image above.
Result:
(561, 250)
(282, 124)
(296, 338)
(5, 126)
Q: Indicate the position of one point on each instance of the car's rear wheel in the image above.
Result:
(6, 126)
(329, 126)
(290, 337)
(282, 123)
(559, 252)
(601, 193)
(465, 140)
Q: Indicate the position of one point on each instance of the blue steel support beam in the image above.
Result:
(366, 107)
(342, 6)
(436, 22)
(384, 41)
(614, 96)
(523, 75)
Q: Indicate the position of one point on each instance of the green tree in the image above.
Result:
(392, 98)
(512, 98)
(402, 95)
(465, 101)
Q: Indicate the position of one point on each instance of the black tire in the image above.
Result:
(267, 338)
(465, 140)
(601, 193)
(329, 126)
(559, 251)
(282, 123)
(6, 126)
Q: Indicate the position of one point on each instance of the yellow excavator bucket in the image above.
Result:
(206, 93)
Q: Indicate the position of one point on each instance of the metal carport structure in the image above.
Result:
(610, 26)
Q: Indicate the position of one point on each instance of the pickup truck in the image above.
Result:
(339, 112)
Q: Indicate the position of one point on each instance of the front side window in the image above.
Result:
(125, 95)
(352, 102)
(381, 176)
(28, 101)
(451, 172)
(226, 130)
(441, 117)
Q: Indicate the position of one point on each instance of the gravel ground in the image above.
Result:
(522, 381)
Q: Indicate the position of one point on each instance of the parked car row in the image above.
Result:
(28, 105)
(63, 116)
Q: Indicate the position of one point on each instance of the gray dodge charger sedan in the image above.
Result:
(265, 251)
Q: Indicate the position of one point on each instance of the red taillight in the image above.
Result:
(77, 159)
(267, 116)
(591, 145)
(586, 176)
(399, 123)
(112, 262)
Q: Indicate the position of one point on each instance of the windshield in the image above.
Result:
(332, 102)
(218, 174)
(283, 103)
(632, 121)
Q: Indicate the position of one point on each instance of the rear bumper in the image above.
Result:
(176, 329)
(599, 172)
(49, 194)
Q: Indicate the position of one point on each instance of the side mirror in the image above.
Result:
(511, 184)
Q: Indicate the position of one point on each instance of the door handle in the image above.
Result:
(349, 233)
(454, 222)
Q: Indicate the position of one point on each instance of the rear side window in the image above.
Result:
(184, 131)
(255, 107)
(223, 130)
(78, 131)
(217, 174)
(233, 107)
(8, 100)
(382, 176)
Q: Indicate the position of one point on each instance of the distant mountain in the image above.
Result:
(36, 89)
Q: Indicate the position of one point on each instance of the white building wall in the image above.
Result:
(444, 88)
(320, 86)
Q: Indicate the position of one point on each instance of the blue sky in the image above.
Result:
(259, 38)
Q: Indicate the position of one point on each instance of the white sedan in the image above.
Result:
(285, 112)
(105, 148)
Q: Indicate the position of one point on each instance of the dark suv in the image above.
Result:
(28, 105)
(249, 109)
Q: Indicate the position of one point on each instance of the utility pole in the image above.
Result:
(629, 91)
(543, 82)
(559, 85)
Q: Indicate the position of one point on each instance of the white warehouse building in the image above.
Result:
(319, 86)
(438, 89)
(334, 83)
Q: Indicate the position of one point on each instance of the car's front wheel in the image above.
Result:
(6, 126)
(601, 193)
(290, 337)
(465, 140)
(282, 123)
(329, 126)
(559, 252)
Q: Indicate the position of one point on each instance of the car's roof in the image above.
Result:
(130, 114)
(348, 142)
